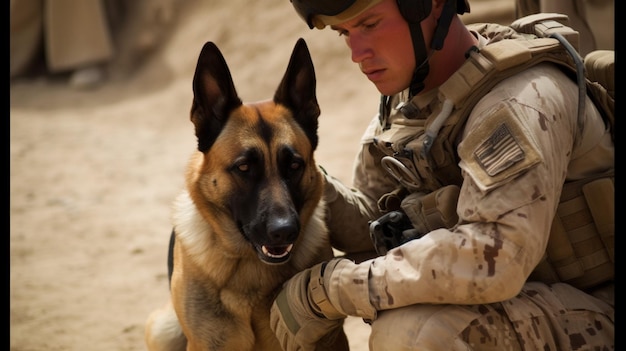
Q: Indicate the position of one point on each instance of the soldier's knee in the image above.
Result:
(421, 327)
(558, 316)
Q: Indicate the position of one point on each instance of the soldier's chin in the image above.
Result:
(275, 254)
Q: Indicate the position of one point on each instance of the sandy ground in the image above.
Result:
(93, 173)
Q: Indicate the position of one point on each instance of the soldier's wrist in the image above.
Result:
(319, 301)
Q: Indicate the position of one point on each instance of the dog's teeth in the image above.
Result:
(266, 252)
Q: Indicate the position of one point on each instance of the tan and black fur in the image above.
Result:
(251, 215)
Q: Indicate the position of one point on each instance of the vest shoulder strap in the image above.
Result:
(501, 59)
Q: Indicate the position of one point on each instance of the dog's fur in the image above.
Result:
(251, 215)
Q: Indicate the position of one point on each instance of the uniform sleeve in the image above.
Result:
(350, 208)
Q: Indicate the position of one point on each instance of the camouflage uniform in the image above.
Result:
(466, 287)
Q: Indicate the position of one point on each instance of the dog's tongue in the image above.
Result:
(277, 251)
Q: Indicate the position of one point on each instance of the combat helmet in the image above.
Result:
(320, 13)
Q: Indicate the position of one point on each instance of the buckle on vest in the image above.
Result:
(408, 109)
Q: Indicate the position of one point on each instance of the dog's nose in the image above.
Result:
(283, 230)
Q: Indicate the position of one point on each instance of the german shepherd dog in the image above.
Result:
(251, 215)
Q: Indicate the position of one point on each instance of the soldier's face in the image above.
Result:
(380, 43)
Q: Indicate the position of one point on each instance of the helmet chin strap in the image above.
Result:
(419, 47)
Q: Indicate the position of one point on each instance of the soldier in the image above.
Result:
(490, 205)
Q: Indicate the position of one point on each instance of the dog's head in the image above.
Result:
(256, 174)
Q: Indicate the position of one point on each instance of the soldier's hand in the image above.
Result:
(301, 316)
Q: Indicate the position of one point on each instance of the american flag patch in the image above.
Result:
(499, 152)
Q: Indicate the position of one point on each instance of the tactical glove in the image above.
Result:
(304, 316)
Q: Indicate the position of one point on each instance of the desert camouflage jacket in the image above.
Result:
(519, 145)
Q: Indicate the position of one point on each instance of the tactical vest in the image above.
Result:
(581, 245)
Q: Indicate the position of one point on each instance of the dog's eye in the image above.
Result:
(295, 165)
(244, 167)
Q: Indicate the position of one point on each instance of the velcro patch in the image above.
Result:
(499, 149)
(499, 152)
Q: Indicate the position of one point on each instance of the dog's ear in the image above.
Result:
(297, 90)
(214, 95)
